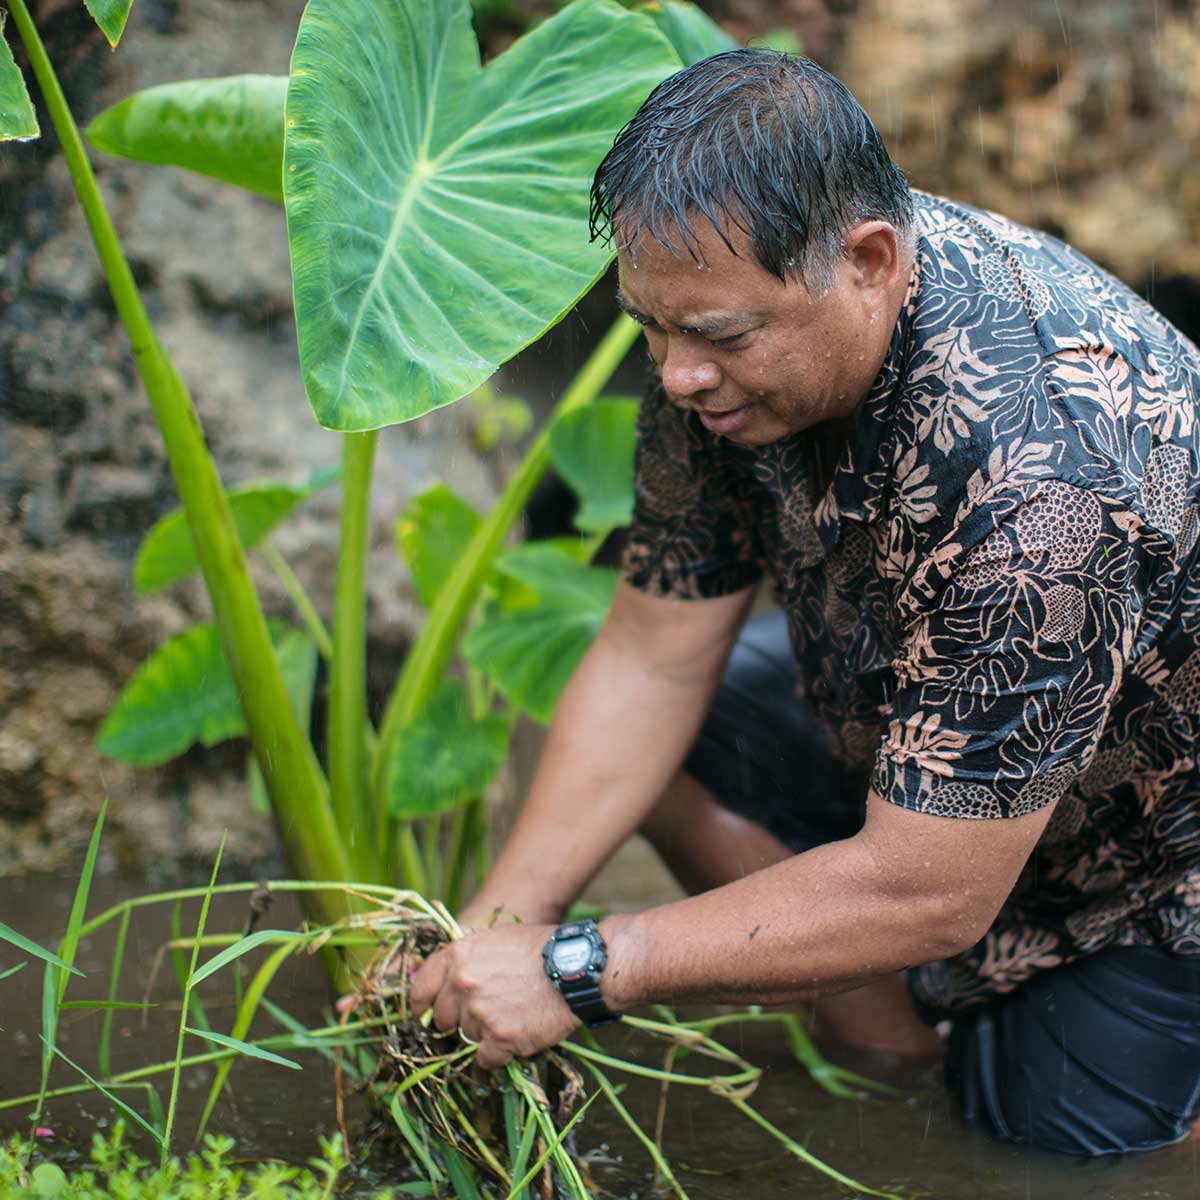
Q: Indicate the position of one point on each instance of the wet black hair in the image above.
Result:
(767, 142)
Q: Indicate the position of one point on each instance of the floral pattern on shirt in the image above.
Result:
(993, 592)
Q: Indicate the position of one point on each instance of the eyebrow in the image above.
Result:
(713, 326)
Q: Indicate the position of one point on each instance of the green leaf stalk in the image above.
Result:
(294, 778)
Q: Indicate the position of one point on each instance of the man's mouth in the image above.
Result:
(726, 420)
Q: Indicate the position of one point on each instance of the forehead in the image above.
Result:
(701, 267)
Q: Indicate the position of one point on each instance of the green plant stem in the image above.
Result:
(794, 1147)
(300, 598)
(299, 794)
(299, 886)
(660, 1162)
(431, 651)
(348, 677)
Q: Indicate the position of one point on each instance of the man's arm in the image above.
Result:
(909, 888)
(621, 730)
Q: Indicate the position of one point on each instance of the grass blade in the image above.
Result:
(241, 1025)
(246, 1048)
(118, 960)
(23, 943)
(105, 1004)
(187, 993)
(460, 1174)
(13, 970)
(194, 1009)
(531, 1174)
(158, 1118)
(250, 942)
(303, 1041)
(56, 977)
(415, 1142)
(111, 1097)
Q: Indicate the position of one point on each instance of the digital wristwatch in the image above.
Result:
(574, 957)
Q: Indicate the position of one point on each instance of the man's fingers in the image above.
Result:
(471, 1030)
(445, 1010)
(492, 1055)
(426, 983)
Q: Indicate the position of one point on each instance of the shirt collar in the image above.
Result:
(861, 481)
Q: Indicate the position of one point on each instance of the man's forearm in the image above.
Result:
(622, 728)
(820, 922)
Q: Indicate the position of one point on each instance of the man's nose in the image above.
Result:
(688, 369)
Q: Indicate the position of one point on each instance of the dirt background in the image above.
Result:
(1082, 118)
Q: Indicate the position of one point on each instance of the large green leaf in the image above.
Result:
(17, 118)
(230, 129)
(443, 758)
(593, 447)
(692, 33)
(432, 532)
(506, 586)
(183, 693)
(557, 573)
(111, 16)
(438, 212)
(167, 553)
(530, 654)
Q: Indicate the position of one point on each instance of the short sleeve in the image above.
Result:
(1009, 667)
(694, 518)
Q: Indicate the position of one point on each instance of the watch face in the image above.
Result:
(571, 955)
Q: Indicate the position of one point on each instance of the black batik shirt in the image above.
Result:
(994, 603)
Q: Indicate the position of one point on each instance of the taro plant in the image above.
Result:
(437, 217)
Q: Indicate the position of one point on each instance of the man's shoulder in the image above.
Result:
(1021, 286)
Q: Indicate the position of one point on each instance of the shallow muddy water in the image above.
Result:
(915, 1142)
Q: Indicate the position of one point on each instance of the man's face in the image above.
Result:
(756, 358)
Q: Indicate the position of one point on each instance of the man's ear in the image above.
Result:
(872, 251)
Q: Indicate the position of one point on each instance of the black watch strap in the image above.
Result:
(580, 987)
(587, 1004)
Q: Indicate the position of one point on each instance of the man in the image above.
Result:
(966, 459)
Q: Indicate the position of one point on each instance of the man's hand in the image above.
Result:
(491, 986)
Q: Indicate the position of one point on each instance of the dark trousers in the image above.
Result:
(1099, 1056)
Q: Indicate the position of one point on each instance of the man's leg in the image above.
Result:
(1100, 1056)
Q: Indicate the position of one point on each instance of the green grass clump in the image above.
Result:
(114, 1172)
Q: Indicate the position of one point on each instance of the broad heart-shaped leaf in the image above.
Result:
(111, 16)
(506, 586)
(167, 553)
(530, 654)
(693, 34)
(438, 212)
(230, 129)
(17, 118)
(593, 447)
(183, 693)
(432, 533)
(443, 758)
